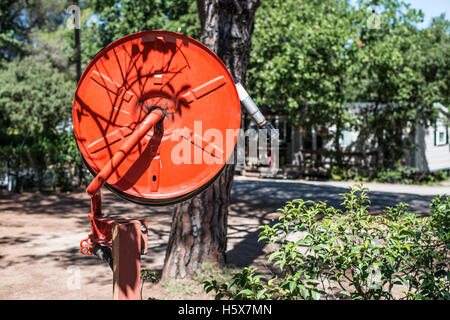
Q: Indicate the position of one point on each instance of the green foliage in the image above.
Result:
(117, 18)
(20, 19)
(324, 252)
(299, 59)
(35, 99)
(400, 175)
(312, 59)
(389, 72)
(148, 275)
(431, 279)
(9, 44)
(245, 285)
(432, 61)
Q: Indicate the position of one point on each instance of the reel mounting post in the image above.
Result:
(119, 242)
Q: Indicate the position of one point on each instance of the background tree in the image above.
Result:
(10, 44)
(432, 60)
(19, 19)
(36, 89)
(111, 20)
(199, 225)
(385, 75)
(300, 62)
(313, 59)
(35, 99)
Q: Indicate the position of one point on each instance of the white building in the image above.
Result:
(432, 150)
(300, 148)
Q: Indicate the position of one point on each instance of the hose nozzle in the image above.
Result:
(255, 113)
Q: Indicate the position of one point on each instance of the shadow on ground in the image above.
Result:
(259, 199)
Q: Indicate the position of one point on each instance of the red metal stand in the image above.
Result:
(126, 251)
(127, 239)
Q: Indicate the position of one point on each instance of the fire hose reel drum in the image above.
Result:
(187, 149)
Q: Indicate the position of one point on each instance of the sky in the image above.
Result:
(431, 8)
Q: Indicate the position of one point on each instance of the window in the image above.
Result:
(440, 133)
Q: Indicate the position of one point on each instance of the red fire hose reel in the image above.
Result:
(141, 116)
(149, 76)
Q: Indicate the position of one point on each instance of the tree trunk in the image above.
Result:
(199, 225)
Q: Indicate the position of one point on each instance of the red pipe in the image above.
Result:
(141, 130)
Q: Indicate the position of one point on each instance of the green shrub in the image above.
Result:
(400, 175)
(324, 252)
(391, 176)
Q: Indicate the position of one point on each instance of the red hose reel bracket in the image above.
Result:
(102, 229)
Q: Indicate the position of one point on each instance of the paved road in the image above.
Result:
(273, 193)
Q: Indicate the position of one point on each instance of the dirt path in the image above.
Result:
(39, 247)
(40, 235)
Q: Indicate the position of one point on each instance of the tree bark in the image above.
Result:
(199, 225)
